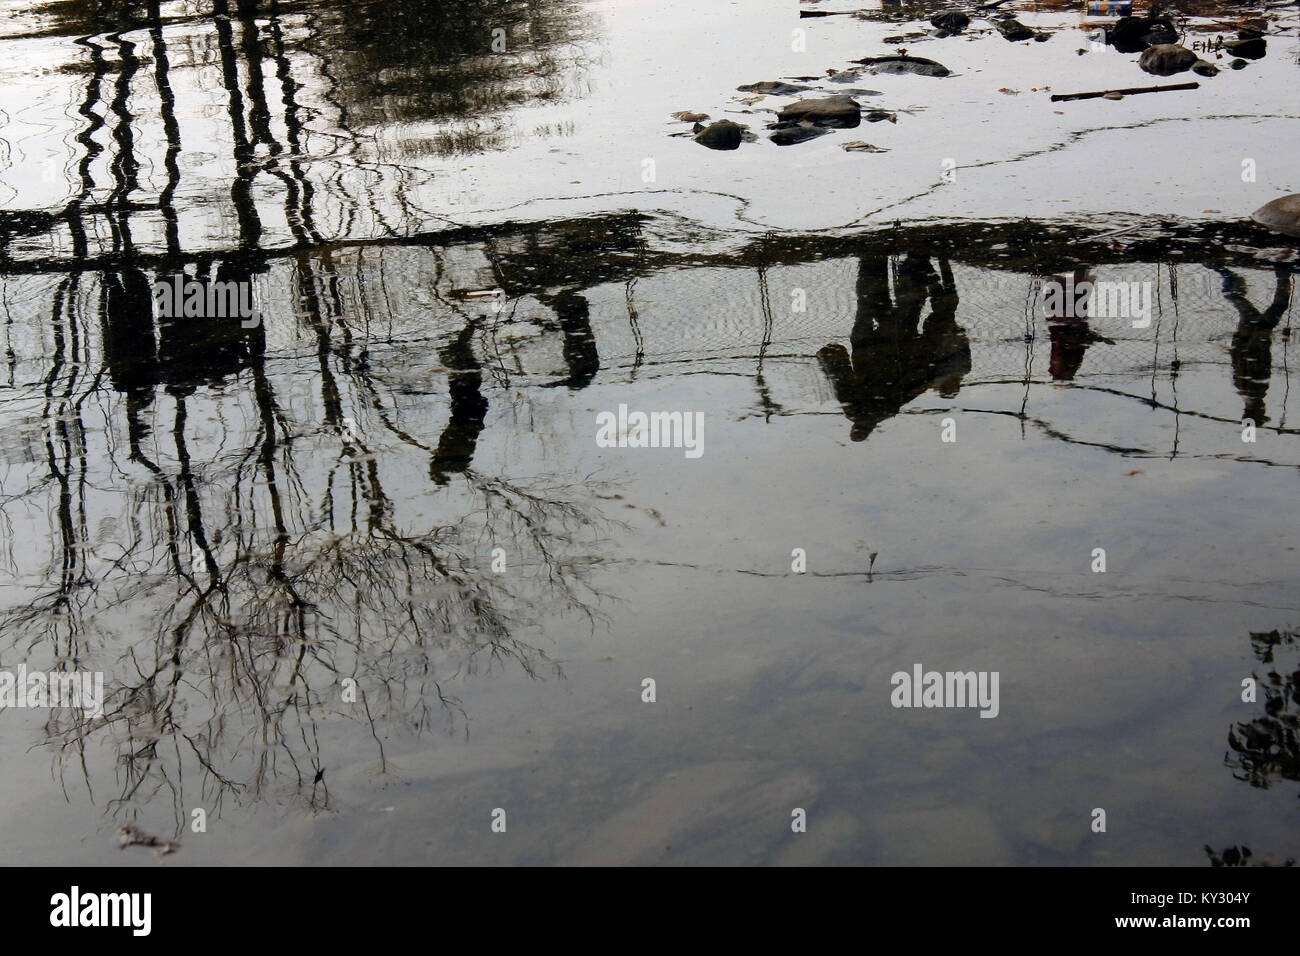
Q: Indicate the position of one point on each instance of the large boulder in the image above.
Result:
(836, 112)
(724, 134)
(1166, 59)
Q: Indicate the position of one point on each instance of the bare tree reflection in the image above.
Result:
(1267, 749)
(1241, 856)
(236, 607)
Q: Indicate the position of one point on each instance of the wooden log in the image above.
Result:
(1129, 91)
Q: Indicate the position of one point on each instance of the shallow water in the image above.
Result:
(394, 479)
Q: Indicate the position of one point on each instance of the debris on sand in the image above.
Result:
(131, 835)
(686, 116)
(1119, 94)
(858, 146)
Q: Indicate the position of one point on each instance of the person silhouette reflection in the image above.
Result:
(1252, 342)
(1070, 334)
(459, 439)
(895, 357)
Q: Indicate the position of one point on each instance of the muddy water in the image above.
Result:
(360, 575)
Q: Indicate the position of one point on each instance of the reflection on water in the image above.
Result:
(1268, 748)
(293, 545)
(269, 124)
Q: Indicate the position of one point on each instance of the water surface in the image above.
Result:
(393, 480)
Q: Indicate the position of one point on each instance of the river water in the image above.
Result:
(362, 582)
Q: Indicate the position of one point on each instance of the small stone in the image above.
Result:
(724, 134)
(773, 88)
(953, 22)
(1281, 215)
(905, 64)
(791, 135)
(840, 112)
(1252, 48)
(1015, 30)
(1166, 59)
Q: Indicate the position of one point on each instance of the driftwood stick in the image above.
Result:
(1062, 97)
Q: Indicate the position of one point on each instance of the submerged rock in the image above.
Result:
(905, 64)
(953, 22)
(1015, 30)
(1166, 59)
(1281, 215)
(773, 88)
(839, 112)
(724, 134)
(1204, 68)
(1252, 48)
(789, 135)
